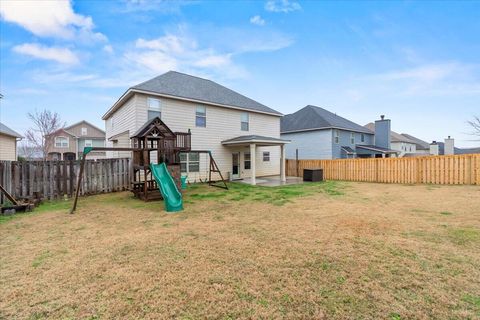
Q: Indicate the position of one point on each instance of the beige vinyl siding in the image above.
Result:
(8, 148)
(72, 143)
(124, 120)
(222, 124)
(92, 132)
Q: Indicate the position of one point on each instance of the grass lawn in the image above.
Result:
(323, 250)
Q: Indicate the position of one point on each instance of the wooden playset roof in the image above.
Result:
(155, 129)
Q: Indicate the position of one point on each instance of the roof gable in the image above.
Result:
(75, 127)
(312, 118)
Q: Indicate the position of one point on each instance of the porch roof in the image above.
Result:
(254, 139)
(374, 149)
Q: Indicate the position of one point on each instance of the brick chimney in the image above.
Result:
(449, 146)
(434, 149)
(382, 132)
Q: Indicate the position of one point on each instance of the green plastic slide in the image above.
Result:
(171, 196)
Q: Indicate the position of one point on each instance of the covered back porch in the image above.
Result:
(252, 143)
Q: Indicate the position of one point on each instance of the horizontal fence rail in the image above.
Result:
(57, 179)
(455, 169)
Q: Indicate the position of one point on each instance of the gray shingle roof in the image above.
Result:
(312, 117)
(186, 86)
(9, 132)
(421, 145)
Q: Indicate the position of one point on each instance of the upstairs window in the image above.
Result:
(154, 108)
(266, 156)
(362, 137)
(88, 143)
(201, 117)
(335, 136)
(352, 138)
(244, 122)
(247, 164)
(84, 131)
(61, 142)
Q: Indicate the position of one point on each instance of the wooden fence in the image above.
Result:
(57, 179)
(458, 169)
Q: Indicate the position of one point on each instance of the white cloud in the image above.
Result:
(257, 20)
(284, 6)
(108, 48)
(181, 52)
(58, 54)
(50, 18)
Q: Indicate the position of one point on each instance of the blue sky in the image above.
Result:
(416, 62)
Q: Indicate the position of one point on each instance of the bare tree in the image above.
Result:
(475, 124)
(45, 123)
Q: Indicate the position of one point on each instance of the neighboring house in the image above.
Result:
(316, 133)
(421, 147)
(242, 134)
(68, 143)
(398, 142)
(438, 148)
(8, 143)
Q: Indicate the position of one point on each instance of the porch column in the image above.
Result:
(283, 177)
(253, 170)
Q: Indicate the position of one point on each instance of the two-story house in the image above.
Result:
(68, 143)
(316, 133)
(242, 134)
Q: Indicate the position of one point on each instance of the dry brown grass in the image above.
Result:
(378, 251)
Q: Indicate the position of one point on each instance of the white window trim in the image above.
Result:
(91, 143)
(197, 115)
(247, 122)
(352, 138)
(267, 153)
(336, 137)
(62, 146)
(82, 130)
(154, 108)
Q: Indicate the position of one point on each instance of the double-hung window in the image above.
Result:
(247, 164)
(335, 136)
(201, 117)
(352, 138)
(88, 143)
(61, 142)
(244, 121)
(154, 108)
(362, 137)
(266, 156)
(84, 131)
(190, 162)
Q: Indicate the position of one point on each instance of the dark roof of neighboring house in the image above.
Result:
(421, 144)
(314, 118)
(9, 132)
(466, 150)
(375, 148)
(184, 86)
(348, 150)
(394, 137)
